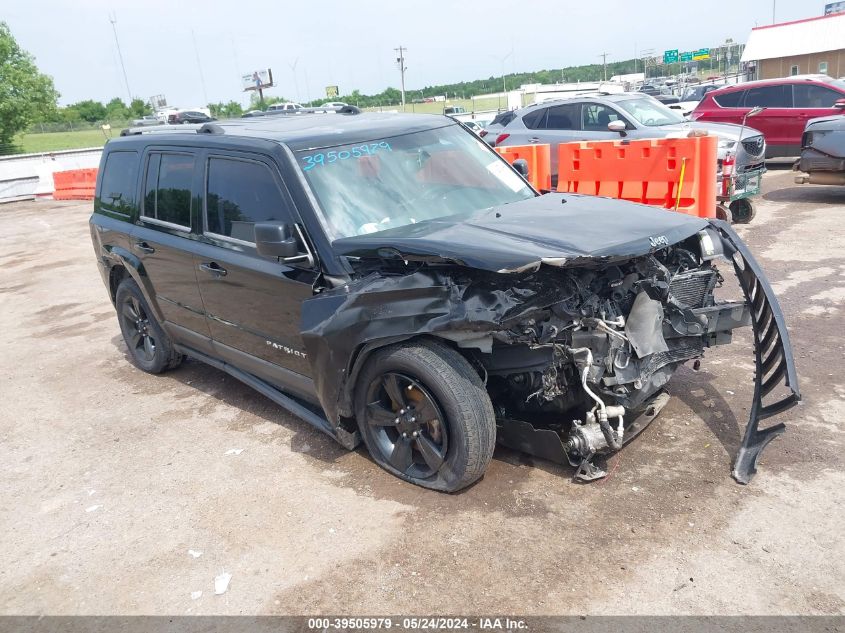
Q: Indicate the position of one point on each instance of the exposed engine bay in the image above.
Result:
(575, 353)
(593, 361)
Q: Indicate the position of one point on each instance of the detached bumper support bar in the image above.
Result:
(772, 354)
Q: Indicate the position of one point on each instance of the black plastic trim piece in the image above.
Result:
(265, 389)
(771, 341)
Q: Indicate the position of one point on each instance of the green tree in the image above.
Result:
(89, 110)
(26, 95)
(116, 110)
(229, 110)
(139, 108)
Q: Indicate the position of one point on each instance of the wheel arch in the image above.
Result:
(365, 351)
(123, 264)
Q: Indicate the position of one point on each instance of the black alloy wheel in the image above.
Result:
(135, 321)
(425, 415)
(407, 424)
(150, 348)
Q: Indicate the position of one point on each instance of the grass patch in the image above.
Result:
(55, 141)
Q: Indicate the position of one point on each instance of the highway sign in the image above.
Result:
(670, 57)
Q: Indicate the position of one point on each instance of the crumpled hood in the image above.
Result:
(555, 229)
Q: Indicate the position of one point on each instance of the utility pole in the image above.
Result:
(402, 68)
(113, 20)
(295, 78)
(604, 63)
(774, 3)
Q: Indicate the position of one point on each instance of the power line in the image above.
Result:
(199, 67)
(113, 20)
(402, 68)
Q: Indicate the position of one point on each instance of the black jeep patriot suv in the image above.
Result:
(390, 278)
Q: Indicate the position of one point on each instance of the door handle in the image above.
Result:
(144, 247)
(534, 139)
(213, 268)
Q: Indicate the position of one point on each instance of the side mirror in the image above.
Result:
(839, 104)
(617, 126)
(274, 240)
(521, 165)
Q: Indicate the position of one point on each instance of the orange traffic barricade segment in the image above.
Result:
(539, 162)
(75, 184)
(673, 173)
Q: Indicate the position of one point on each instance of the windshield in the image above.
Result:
(650, 112)
(391, 182)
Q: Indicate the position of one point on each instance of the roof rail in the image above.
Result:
(190, 128)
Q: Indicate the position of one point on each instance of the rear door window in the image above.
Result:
(240, 193)
(118, 186)
(564, 117)
(769, 97)
(730, 99)
(814, 96)
(167, 192)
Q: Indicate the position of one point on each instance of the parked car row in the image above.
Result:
(789, 104)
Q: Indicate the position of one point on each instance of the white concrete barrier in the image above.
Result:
(25, 176)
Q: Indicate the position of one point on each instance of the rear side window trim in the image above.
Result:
(142, 217)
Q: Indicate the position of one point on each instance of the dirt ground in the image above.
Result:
(122, 495)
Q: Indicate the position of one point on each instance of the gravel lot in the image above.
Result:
(111, 477)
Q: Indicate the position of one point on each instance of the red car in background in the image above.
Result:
(789, 103)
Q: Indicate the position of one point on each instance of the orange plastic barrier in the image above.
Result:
(75, 184)
(666, 172)
(539, 161)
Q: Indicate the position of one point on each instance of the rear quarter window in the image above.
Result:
(729, 99)
(815, 96)
(118, 184)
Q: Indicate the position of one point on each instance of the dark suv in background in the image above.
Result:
(789, 103)
(391, 278)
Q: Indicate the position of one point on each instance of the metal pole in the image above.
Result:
(113, 20)
(604, 63)
(401, 61)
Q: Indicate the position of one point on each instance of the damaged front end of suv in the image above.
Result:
(575, 332)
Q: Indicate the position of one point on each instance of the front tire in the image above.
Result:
(425, 415)
(150, 349)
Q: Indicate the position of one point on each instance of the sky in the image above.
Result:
(195, 52)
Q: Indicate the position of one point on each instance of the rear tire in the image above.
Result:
(425, 415)
(150, 349)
